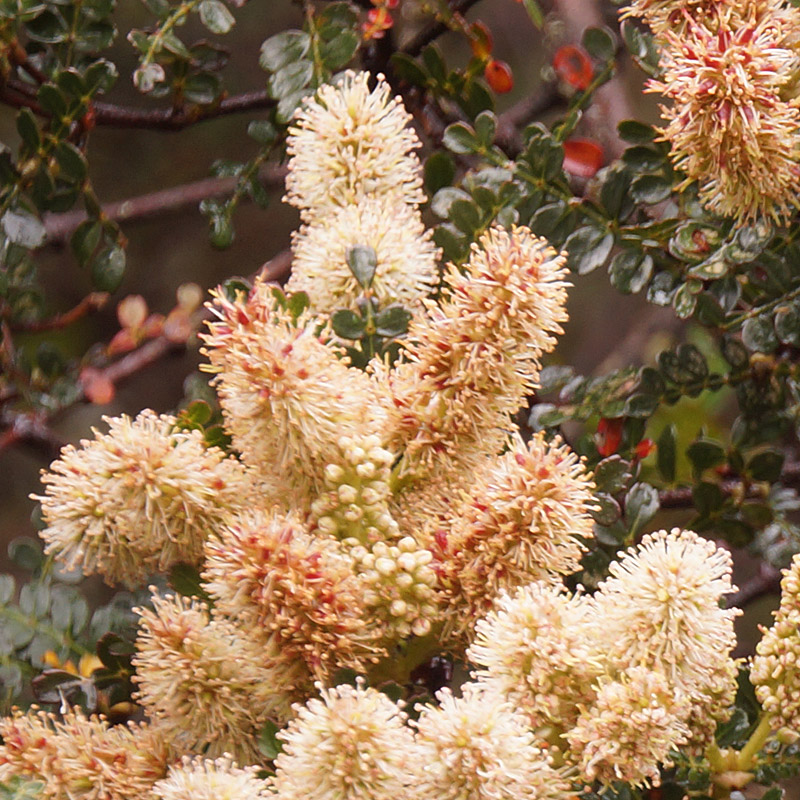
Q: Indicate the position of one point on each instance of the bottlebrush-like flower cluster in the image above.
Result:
(355, 177)
(366, 520)
(730, 69)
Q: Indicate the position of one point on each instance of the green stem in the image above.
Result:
(565, 128)
(759, 310)
(175, 18)
(754, 744)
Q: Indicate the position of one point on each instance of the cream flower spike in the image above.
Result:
(138, 499)
(349, 142)
(406, 258)
(351, 743)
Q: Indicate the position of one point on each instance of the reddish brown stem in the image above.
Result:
(60, 226)
(91, 302)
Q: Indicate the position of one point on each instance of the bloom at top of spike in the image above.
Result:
(348, 142)
(729, 126)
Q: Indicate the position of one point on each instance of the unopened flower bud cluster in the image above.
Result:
(401, 585)
(356, 503)
(776, 666)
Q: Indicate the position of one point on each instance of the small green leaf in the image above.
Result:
(641, 405)
(215, 16)
(185, 580)
(630, 270)
(28, 129)
(460, 138)
(704, 454)
(297, 303)
(758, 334)
(220, 224)
(108, 268)
(666, 452)
(362, 261)
(262, 131)
(534, 12)
(72, 161)
(23, 228)
(787, 324)
(172, 44)
(407, 69)
(148, 76)
(635, 132)
(347, 324)
(694, 242)
(588, 248)
(766, 466)
(599, 43)
(84, 240)
(651, 189)
(444, 199)
(434, 63)
(711, 269)
(392, 321)
(282, 49)
(26, 553)
(336, 16)
(553, 377)
(202, 88)
(7, 589)
(464, 214)
(612, 474)
(290, 80)
(485, 128)
(641, 505)
(707, 498)
(734, 352)
(340, 50)
(684, 301)
(641, 46)
(684, 365)
(268, 742)
(607, 511)
(440, 169)
(197, 414)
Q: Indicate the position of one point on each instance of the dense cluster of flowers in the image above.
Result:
(373, 517)
(730, 69)
(355, 177)
(776, 666)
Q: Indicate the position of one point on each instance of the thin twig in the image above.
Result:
(91, 302)
(433, 30)
(59, 227)
(682, 496)
(114, 116)
(19, 94)
(545, 97)
(32, 430)
(766, 581)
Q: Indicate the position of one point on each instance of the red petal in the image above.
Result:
(582, 157)
(573, 65)
(609, 436)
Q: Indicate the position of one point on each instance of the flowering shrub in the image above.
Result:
(398, 548)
